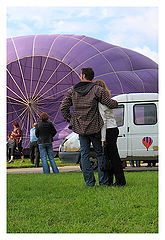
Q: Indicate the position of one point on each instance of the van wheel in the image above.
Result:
(93, 160)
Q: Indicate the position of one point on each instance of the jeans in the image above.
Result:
(47, 150)
(18, 146)
(85, 142)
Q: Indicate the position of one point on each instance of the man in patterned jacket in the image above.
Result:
(86, 120)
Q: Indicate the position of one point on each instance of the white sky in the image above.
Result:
(135, 28)
(131, 27)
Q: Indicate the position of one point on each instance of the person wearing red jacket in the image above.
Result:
(17, 137)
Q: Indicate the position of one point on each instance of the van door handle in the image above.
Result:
(123, 135)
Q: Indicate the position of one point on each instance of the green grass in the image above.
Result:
(17, 163)
(61, 203)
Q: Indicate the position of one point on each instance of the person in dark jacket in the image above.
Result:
(45, 131)
(86, 121)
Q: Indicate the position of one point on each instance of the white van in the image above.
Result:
(137, 120)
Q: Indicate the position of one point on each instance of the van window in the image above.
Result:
(119, 115)
(145, 114)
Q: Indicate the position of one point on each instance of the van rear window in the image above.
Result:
(145, 114)
(119, 115)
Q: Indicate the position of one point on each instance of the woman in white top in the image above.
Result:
(109, 134)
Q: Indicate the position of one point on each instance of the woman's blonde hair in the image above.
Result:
(102, 84)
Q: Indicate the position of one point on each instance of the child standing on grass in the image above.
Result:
(9, 146)
(109, 134)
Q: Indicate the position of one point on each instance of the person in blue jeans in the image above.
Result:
(45, 131)
(85, 120)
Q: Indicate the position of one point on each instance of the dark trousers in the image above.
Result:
(34, 153)
(8, 152)
(113, 155)
(17, 146)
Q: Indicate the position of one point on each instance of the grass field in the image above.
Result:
(17, 163)
(61, 203)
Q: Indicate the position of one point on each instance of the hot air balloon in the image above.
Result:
(147, 141)
(41, 68)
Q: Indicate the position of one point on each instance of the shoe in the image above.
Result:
(118, 184)
(10, 161)
(110, 184)
(22, 159)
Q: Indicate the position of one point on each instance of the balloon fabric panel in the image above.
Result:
(41, 68)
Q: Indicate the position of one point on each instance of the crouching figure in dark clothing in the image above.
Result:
(45, 131)
(9, 146)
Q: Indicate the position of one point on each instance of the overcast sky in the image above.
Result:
(135, 28)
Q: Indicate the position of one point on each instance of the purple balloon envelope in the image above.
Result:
(41, 68)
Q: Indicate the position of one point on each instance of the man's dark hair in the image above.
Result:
(89, 73)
